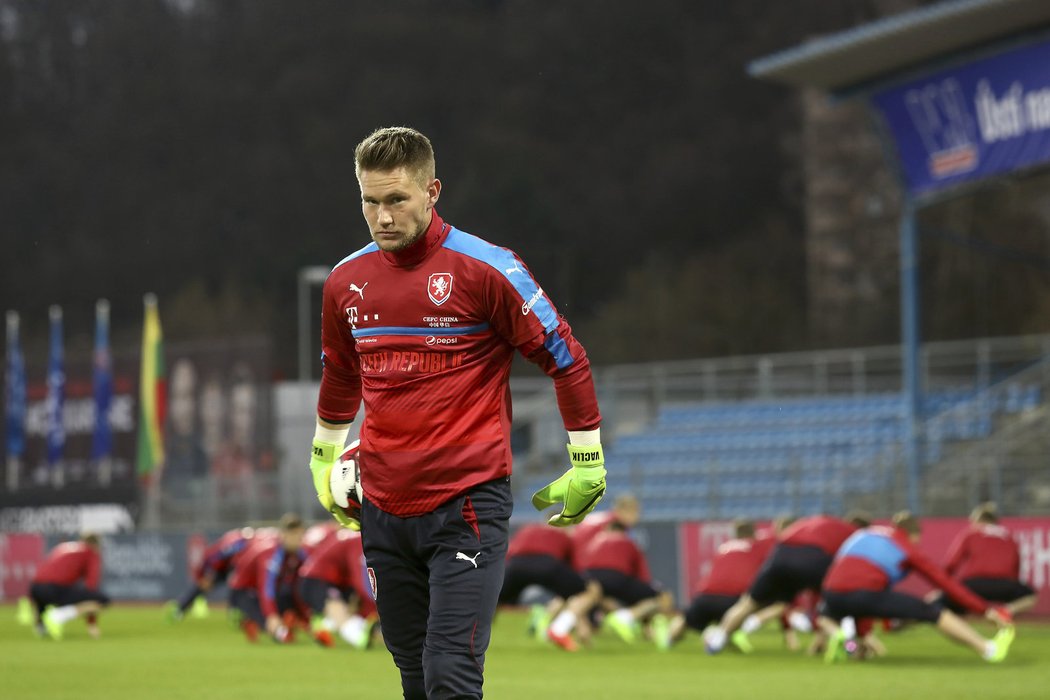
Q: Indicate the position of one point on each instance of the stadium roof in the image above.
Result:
(879, 49)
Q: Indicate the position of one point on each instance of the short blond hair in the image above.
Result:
(395, 147)
(907, 522)
(987, 512)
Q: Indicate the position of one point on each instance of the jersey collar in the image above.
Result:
(435, 234)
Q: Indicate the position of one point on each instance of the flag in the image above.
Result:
(56, 391)
(102, 439)
(15, 396)
(152, 393)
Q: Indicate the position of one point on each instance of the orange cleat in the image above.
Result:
(324, 638)
(251, 630)
(565, 641)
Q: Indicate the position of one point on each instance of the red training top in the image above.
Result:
(821, 531)
(219, 555)
(586, 531)
(68, 563)
(614, 549)
(337, 560)
(425, 338)
(269, 569)
(734, 567)
(984, 550)
(541, 539)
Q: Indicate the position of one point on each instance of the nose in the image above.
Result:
(385, 215)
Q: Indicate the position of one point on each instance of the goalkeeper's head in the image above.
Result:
(395, 169)
(394, 147)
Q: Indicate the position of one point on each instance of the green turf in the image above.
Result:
(140, 657)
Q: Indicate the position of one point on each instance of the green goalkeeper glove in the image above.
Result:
(322, 459)
(578, 490)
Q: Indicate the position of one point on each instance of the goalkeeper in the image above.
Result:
(421, 326)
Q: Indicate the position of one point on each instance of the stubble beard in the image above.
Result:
(405, 242)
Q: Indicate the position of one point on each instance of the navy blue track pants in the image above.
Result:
(437, 578)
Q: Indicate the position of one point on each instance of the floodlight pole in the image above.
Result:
(911, 339)
(308, 276)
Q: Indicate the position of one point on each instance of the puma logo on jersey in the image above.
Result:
(512, 270)
(473, 560)
(360, 290)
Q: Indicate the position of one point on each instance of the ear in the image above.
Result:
(433, 192)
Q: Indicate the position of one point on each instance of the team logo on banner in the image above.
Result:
(439, 288)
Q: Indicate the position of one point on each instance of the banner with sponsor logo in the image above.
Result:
(219, 462)
(19, 555)
(144, 567)
(699, 542)
(14, 404)
(986, 118)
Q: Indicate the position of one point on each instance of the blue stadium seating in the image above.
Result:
(762, 458)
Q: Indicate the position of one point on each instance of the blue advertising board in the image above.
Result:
(988, 117)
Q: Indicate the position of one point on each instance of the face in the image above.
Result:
(629, 513)
(292, 539)
(397, 206)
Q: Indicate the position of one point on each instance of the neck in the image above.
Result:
(423, 244)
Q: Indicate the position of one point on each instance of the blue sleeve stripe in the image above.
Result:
(876, 549)
(272, 570)
(504, 262)
(412, 330)
(556, 346)
(370, 248)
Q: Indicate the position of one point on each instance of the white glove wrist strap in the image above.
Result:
(585, 437)
(332, 437)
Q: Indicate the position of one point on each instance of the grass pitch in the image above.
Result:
(140, 656)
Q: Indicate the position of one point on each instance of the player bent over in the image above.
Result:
(332, 585)
(859, 585)
(263, 583)
(618, 564)
(212, 570)
(986, 560)
(797, 563)
(732, 570)
(65, 586)
(540, 555)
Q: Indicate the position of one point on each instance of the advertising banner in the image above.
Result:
(19, 555)
(218, 440)
(144, 567)
(988, 117)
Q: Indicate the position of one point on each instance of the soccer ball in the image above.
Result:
(345, 481)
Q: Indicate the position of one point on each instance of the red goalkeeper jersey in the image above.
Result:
(425, 338)
(984, 551)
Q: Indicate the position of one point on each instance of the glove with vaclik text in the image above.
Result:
(578, 490)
